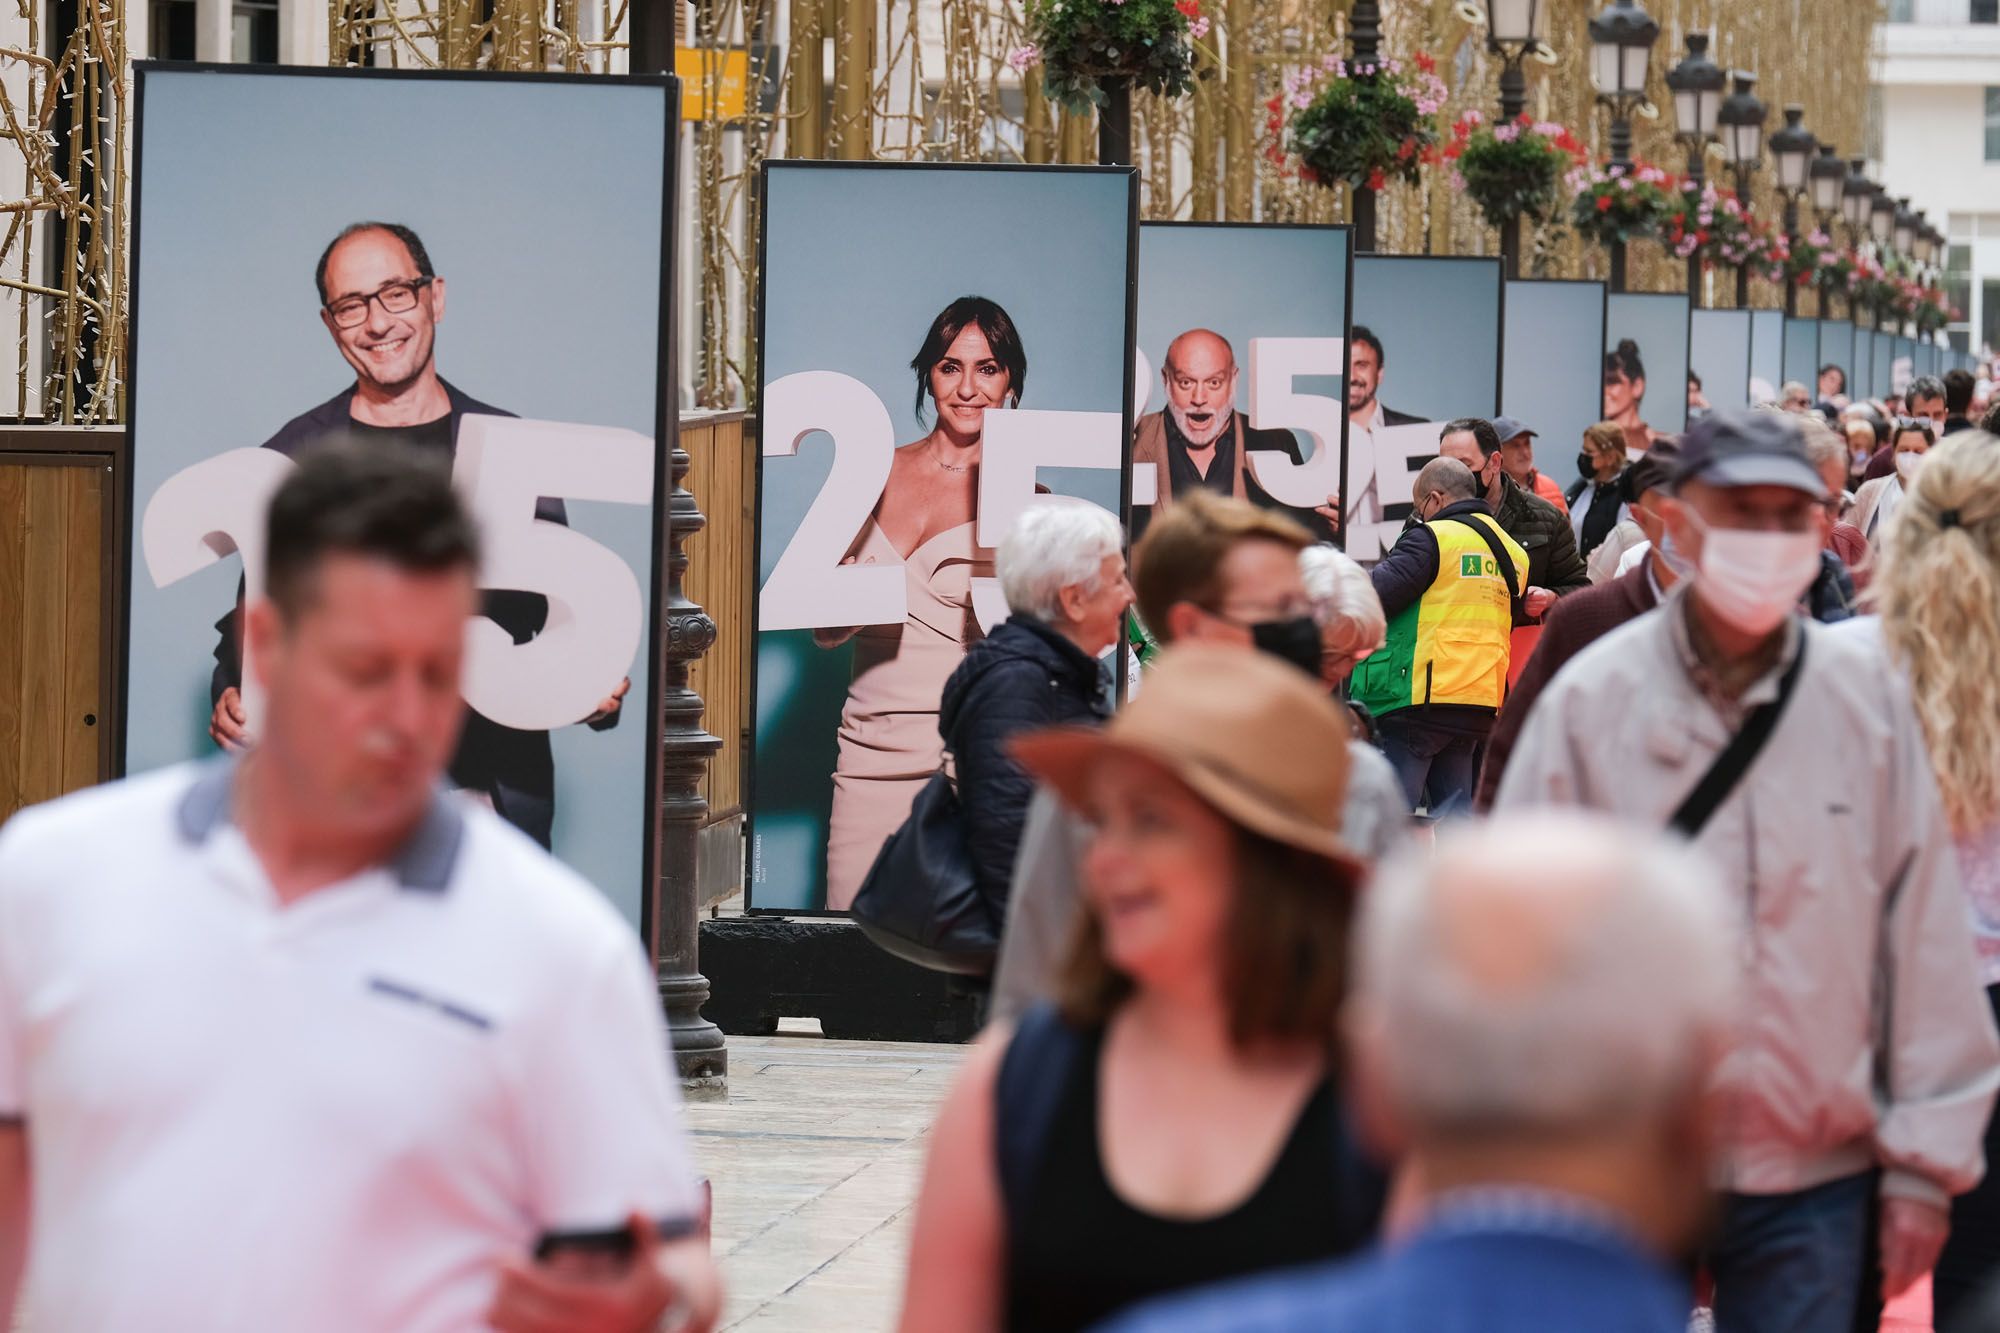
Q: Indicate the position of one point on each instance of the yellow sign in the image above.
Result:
(725, 69)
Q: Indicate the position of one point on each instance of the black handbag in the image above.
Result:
(920, 901)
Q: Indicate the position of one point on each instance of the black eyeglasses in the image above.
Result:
(395, 298)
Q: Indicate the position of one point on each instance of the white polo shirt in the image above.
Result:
(340, 1115)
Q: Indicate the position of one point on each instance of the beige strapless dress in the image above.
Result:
(889, 742)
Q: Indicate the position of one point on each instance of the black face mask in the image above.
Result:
(1295, 641)
(1586, 466)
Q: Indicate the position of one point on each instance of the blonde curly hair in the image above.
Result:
(1937, 585)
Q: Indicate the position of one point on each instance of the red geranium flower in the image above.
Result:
(1376, 180)
(1189, 8)
(1604, 203)
(1426, 62)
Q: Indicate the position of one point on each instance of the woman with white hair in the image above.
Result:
(1062, 568)
(1351, 623)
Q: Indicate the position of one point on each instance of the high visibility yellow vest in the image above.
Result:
(1451, 646)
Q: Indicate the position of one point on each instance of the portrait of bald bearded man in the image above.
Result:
(382, 301)
(1199, 441)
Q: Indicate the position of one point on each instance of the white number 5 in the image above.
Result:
(596, 616)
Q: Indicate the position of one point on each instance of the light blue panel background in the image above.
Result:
(1836, 347)
(1719, 351)
(858, 262)
(1553, 362)
(1904, 347)
(1864, 364)
(1802, 353)
(1885, 353)
(1439, 322)
(1659, 324)
(1243, 283)
(246, 178)
(1767, 352)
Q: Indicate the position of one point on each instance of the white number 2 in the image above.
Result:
(809, 587)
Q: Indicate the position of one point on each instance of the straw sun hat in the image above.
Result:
(1256, 738)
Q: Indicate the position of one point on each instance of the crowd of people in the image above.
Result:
(1378, 965)
(1587, 914)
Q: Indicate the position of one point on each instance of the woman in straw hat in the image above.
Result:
(1175, 1119)
(1937, 585)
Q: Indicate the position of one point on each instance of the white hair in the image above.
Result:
(1349, 609)
(1056, 543)
(1596, 973)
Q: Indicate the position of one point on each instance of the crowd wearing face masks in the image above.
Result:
(1774, 1101)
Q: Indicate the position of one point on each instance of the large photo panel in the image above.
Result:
(1767, 355)
(1645, 366)
(1549, 370)
(1864, 365)
(1241, 367)
(1801, 357)
(1884, 375)
(943, 347)
(1836, 353)
(1719, 356)
(1424, 349)
(294, 245)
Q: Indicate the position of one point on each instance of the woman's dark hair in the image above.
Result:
(1284, 966)
(1001, 336)
(1625, 361)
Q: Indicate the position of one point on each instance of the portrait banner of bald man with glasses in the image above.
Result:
(384, 291)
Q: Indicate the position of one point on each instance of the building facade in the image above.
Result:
(1935, 137)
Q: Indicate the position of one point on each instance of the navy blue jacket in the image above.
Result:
(1021, 677)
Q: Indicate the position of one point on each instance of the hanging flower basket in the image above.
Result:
(1514, 169)
(1809, 256)
(1363, 124)
(1716, 227)
(1082, 45)
(1615, 204)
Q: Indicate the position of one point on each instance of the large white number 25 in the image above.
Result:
(596, 616)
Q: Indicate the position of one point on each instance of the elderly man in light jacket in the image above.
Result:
(1867, 1061)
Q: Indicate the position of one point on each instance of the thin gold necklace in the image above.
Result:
(946, 466)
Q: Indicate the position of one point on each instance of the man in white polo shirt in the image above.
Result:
(301, 1042)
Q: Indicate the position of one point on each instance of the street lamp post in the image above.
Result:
(1791, 147)
(1513, 29)
(1826, 178)
(1856, 197)
(1697, 84)
(1741, 119)
(1621, 52)
(1882, 227)
(1365, 23)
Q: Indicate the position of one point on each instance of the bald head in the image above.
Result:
(1542, 976)
(1446, 478)
(1200, 377)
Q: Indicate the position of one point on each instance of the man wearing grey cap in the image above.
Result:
(1517, 456)
(1866, 1066)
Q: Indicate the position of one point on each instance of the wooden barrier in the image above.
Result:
(722, 563)
(61, 498)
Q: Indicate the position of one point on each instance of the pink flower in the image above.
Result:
(1023, 56)
(1473, 117)
(1199, 28)
(1301, 101)
(1507, 133)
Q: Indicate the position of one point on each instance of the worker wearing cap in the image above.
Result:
(1867, 1060)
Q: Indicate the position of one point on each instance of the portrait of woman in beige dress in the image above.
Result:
(971, 360)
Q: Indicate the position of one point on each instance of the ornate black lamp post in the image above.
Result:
(1697, 84)
(1791, 149)
(1857, 195)
(1741, 119)
(1365, 21)
(1825, 179)
(1514, 28)
(1621, 52)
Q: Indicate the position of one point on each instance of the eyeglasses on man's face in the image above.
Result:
(395, 298)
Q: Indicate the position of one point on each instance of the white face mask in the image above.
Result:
(1754, 580)
(1907, 465)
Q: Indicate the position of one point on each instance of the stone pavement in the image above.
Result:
(815, 1161)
